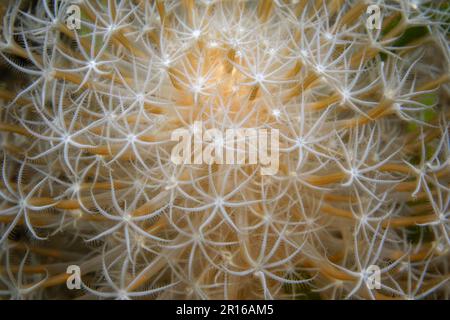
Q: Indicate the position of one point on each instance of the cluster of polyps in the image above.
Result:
(86, 171)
